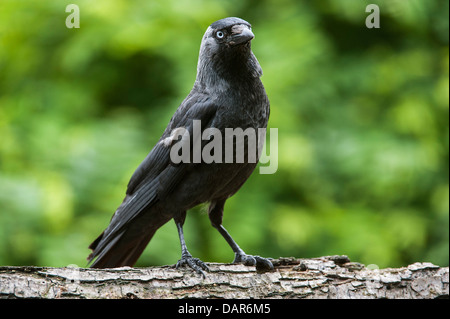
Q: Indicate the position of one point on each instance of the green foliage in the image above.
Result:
(362, 117)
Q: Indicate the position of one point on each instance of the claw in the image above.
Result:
(244, 259)
(195, 263)
(262, 264)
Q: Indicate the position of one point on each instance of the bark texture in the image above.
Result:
(324, 277)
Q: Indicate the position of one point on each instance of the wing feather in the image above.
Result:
(156, 177)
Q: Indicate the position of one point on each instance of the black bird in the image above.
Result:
(227, 93)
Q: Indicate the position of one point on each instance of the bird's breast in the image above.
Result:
(245, 106)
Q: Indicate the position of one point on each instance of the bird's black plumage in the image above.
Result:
(227, 93)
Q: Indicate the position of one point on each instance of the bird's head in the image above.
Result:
(226, 49)
(229, 33)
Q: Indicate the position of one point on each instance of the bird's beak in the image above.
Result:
(241, 34)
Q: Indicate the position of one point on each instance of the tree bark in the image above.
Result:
(324, 277)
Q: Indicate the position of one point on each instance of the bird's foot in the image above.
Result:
(262, 264)
(195, 263)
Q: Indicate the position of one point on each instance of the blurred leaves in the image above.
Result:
(362, 117)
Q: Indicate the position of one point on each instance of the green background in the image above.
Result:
(362, 118)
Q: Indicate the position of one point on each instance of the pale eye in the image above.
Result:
(220, 35)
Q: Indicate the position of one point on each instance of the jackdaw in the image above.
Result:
(227, 93)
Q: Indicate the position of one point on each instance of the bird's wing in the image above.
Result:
(156, 177)
(194, 107)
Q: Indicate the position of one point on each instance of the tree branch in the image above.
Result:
(324, 277)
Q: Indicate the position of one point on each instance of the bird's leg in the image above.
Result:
(215, 215)
(262, 264)
(186, 257)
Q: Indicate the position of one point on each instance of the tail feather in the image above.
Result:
(120, 251)
(122, 247)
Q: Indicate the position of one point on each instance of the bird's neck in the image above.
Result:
(228, 71)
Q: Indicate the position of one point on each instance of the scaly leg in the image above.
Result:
(215, 215)
(186, 257)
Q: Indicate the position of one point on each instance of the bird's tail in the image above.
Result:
(124, 248)
(120, 252)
